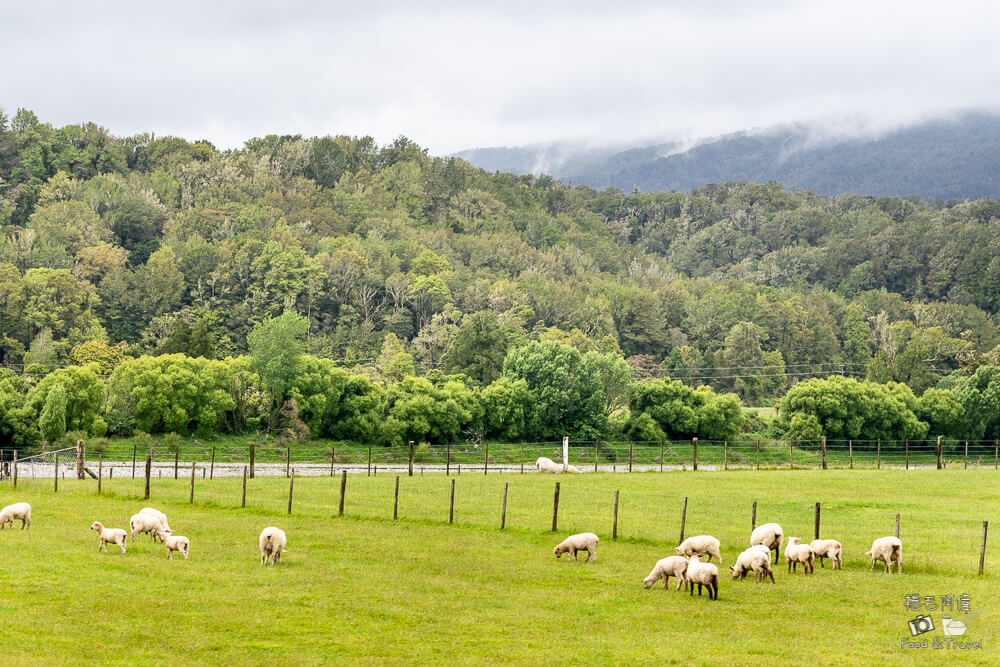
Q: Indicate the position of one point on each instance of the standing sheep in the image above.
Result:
(700, 545)
(828, 549)
(770, 535)
(272, 545)
(796, 553)
(667, 567)
(145, 523)
(756, 558)
(112, 535)
(887, 549)
(703, 574)
(20, 511)
(579, 542)
(175, 543)
(158, 514)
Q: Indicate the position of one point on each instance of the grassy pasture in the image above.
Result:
(363, 588)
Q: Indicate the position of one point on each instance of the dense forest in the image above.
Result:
(521, 307)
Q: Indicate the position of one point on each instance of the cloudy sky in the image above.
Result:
(454, 75)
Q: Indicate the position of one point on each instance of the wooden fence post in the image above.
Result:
(333, 458)
(753, 517)
(791, 463)
(823, 446)
(100, 472)
(661, 456)
(191, 499)
(133, 460)
(522, 457)
(253, 453)
(758, 455)
(982, 548)
(816, 527)
(291, 486)
(411, 459)
(447, 459)
(850, 452)
(55, 487)
(343, 490)
(897, 524)
(486, 457)
(555, 509)
(614, 529)
(177, 459)
(451, 503)
(878, 453)
(395, 501)
(694, 455)
(81, 458)
(684, 514)
(940, 462)
(369, 460)
(630, 456)
(15, 469)
(211, 474)
(725, 455)
(503, 509)
(906, 449)
(149, 471)
(288, 459)
(965, 459)
(996, 454)
(596, 450)
(243, 503)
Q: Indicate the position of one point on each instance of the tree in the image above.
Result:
(82, 398)
(479, 348)
(52, 420)
(276, 347)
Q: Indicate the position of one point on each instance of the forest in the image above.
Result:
(332, 287)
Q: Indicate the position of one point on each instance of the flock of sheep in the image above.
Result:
(272, 540)
(689, 570)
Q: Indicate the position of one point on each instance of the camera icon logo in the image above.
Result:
(920, 625)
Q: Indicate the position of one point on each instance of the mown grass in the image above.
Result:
(363, 588)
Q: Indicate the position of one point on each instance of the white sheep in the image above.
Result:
(666, 568)
(272, 545)
(145, 523)
(702, 574)
(545, 464)
(579, 542)
(112, 535)
(164, 524)
(701, 545)
(175, 543)
(796, 553)
(770, 535)
(20, 511)
(828, 549)
(887, 549)
(758, 559)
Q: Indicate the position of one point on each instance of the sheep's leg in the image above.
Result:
(666, 580)
(714, 591)
(122, 545)
(821, 562)
(591, 554)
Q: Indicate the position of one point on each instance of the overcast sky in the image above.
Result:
(454, 75)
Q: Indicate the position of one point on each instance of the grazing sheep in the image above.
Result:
(828, 549)
(579, 542)
(887, 549)
(796, 553)
(770, 535)
(112, 535)
(703, 574)
(545, 464)
(145, 523)
(157, 513)
(667, 567)
(701, 545)
(272, 545)
(756, 558)
(175, 543)
(20, 511)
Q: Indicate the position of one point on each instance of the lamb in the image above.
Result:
(157, 513)
(828, 549)
(145, 523)
(756, 558)
(578, 542)
(272, 545)
(667, 567)
(770, 535)
(703, 574)
(545, 464)
(174, 543)
(20, 511)
(887, 549)
(796, 553)
(112, 535)
(701, 545)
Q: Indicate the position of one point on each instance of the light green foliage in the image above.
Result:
(943, 413)
(506, 408)
(82, 397)
(52, 420)
(419, 411)
(360, 412)
(394, 362)
(979, 397)
(107, 357)
(317, 390)
(671, 409)
(276, 347)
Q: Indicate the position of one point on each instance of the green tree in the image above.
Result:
(52, 420)
(276, 347)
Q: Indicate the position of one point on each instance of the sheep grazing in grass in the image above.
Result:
(545, 464)
(757, 559)
(145, 523)
(109, 535)
(796, 553)
(20, 511)
(671, 566)
(703, 574)
(272, 545)
(828, 549)
(175, 543)
(700, 545)
(579, 542)
(770, 535)
(887, 549)
(160, 515)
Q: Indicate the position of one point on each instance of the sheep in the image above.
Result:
(145, 523)
(667, 567)
(20, 511)
(828, 549)
(702, 574)
(701, 545)
(545, 464)
(272, 545)
(796, 553)
(756, 558)
(887, 549)
(174, 543)
(157, 513)
(770, 535)
(578, 542)
(112, 535)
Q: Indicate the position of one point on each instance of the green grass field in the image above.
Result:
(364, 588)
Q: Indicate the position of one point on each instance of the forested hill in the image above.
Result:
(942, 159)
(402, 262)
